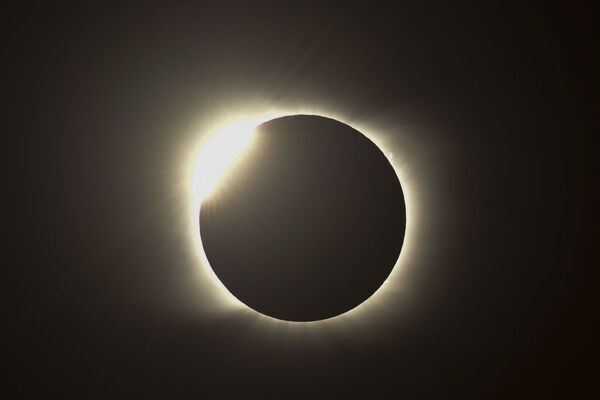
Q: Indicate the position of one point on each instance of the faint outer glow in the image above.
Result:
(211, 158)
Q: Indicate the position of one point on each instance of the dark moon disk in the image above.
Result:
(309, 223)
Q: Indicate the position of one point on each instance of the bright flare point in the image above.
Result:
(218, 155)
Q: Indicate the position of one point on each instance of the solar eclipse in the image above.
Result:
(302, 218)
(296, 199)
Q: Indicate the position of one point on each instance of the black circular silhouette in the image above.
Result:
(310, 222)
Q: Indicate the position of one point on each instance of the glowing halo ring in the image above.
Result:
(227, 300)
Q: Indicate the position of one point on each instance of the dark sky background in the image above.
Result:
(491, 105)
